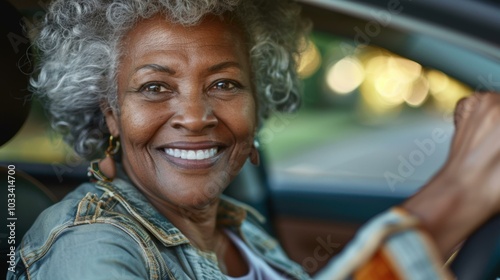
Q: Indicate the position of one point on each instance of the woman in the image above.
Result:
(173, 92)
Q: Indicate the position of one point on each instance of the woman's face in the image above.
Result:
(187, 113)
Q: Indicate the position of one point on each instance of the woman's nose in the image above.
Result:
(194, 114)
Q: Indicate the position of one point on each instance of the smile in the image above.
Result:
(192, 154)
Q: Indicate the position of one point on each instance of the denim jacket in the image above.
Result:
(111, 231)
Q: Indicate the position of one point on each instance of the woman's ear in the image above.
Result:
(254, 155)
(111, 121)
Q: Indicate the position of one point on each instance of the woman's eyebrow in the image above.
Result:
(224, 65)
(170, 71)
(156, 67)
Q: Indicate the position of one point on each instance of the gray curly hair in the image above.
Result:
(77, 46)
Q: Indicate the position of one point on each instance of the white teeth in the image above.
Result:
(200, 155)
(191, 154)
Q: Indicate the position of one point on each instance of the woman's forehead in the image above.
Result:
(158, 36)
(149, 31)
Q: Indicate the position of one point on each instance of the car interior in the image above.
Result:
(316, 184)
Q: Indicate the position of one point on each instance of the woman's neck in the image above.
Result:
(200, 228)
(198, 225)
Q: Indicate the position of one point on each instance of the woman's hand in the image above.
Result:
(475, 151)
(466, 192)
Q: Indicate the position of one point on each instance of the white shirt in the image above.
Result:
(258, 269)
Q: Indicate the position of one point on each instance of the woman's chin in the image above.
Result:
(192, 207)
(200, 198)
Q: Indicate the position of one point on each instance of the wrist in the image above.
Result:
(447, 210)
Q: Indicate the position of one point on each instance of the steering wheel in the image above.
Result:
(479, 257)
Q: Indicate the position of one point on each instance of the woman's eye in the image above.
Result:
(155, 91)
(153, 88)
(225, 86)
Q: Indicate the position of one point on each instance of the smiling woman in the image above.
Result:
(187, 92)
(176, 90)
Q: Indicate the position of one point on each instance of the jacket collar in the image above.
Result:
(230, 213)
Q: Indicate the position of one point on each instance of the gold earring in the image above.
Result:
(105, 169)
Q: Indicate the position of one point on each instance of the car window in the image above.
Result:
(367, 114)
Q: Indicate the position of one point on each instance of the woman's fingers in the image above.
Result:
(463, 111)
(464, 108)
(475, 153)
(476, 118)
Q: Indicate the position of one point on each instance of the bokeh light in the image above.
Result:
(345, 76)
(445, 90)
(418, 93)
(310, 60)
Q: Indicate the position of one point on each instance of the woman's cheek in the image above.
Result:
(244, 113)
(140, 122)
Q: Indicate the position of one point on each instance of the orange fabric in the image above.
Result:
(378, 267)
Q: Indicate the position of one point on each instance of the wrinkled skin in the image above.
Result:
(186, 90)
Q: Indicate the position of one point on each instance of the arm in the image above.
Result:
(460, 198)
(465, 193)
